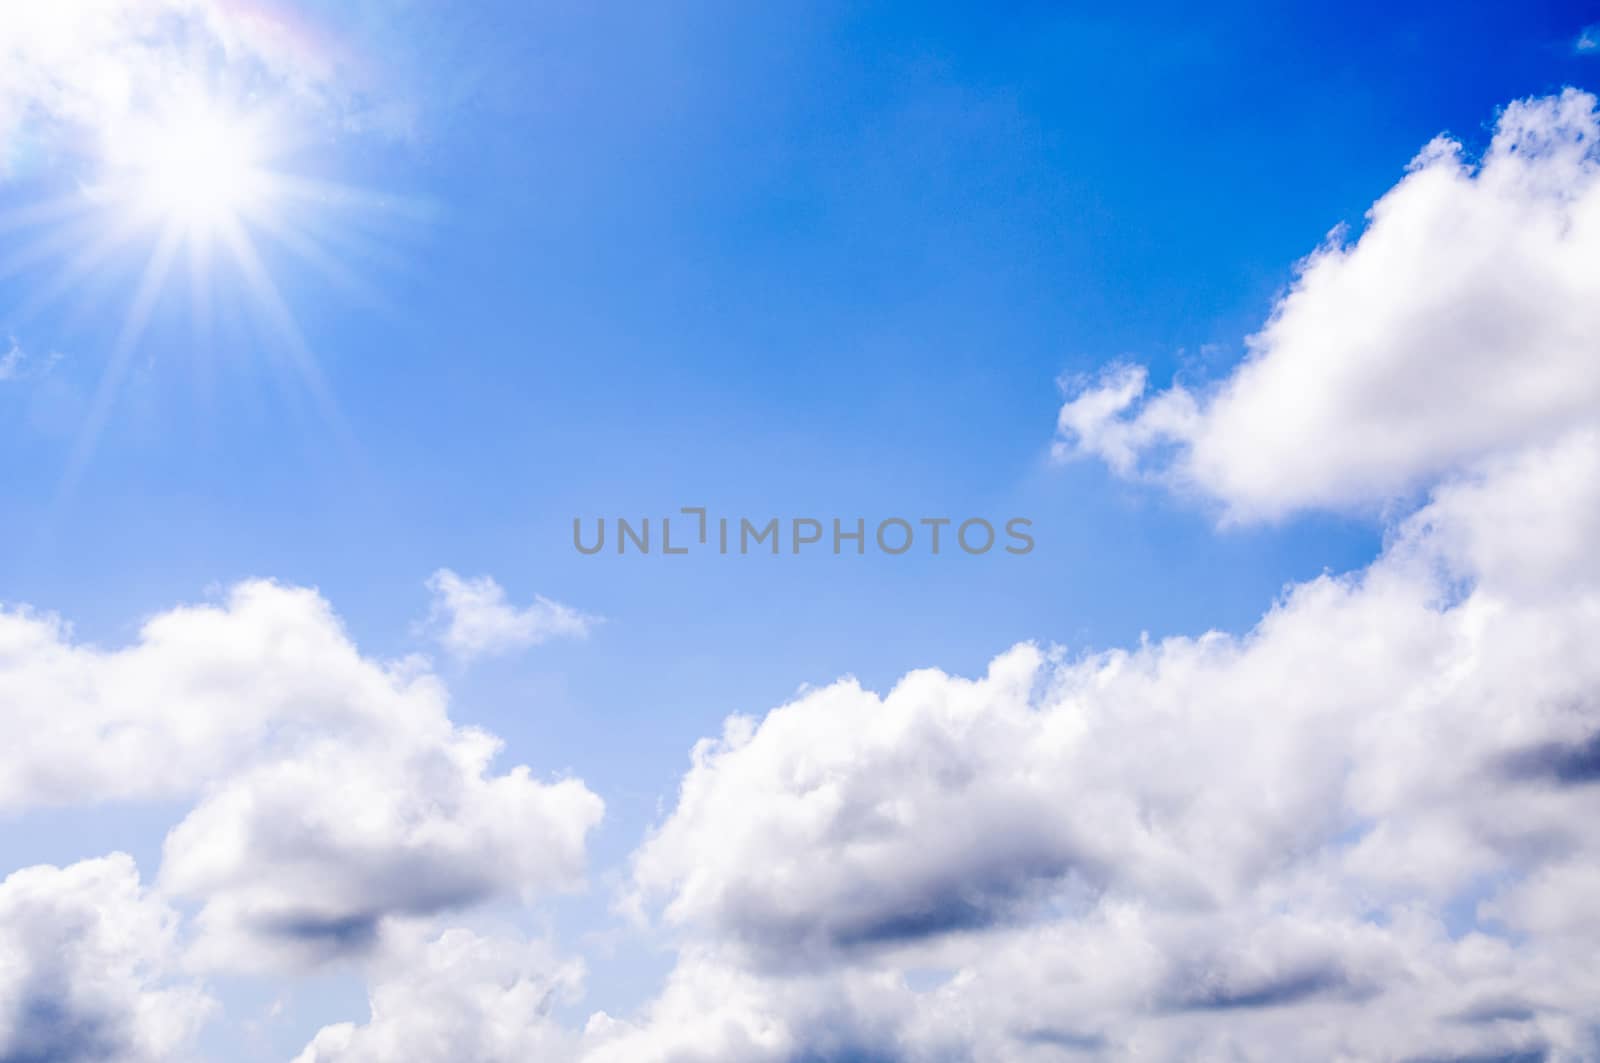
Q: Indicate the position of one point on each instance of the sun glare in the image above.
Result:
(196, 166)
(212, 187)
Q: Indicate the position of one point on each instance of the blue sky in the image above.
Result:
(779, 260)
(792, 262)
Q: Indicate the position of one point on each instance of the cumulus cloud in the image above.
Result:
(335, 790)
(472, 618)
(460, 996)
(1458, 324)
(203, 690)
(85, 959)
(1365, 829)
(303, 859)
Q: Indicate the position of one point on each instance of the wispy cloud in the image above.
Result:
(1588, 42)
(17, 364)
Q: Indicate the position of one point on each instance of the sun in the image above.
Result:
(195, 166)
(218, 185)
(200, 168)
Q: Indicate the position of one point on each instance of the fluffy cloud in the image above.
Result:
(84, 955)
(204, 690)
(1369, 828)
(1365, 830)
(302, 859)
(458, 997)
(335, 789)
(472, 617)
(1460, 323)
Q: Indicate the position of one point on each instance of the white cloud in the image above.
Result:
(11, 362)
(304, 859)
(457, 997)
(204, 690)
(16, 364)
(1460, 323)
(1342, 835)
(1369, 828)
(336, 792)
(85, 955)
(472, 617)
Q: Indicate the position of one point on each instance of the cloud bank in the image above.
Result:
(1364, 830)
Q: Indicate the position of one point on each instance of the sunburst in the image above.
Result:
(199, 180)
(194, 166)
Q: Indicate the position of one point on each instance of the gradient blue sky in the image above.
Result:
(779, 259)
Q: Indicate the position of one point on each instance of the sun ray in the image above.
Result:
(98, 253)
(307, 248)
(270, 302)
(134, 321)
(45, 212)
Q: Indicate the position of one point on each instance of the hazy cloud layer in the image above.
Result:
(89, 64)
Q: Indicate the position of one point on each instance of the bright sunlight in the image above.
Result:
(195, 166)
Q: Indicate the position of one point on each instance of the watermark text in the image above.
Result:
(694, 529)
